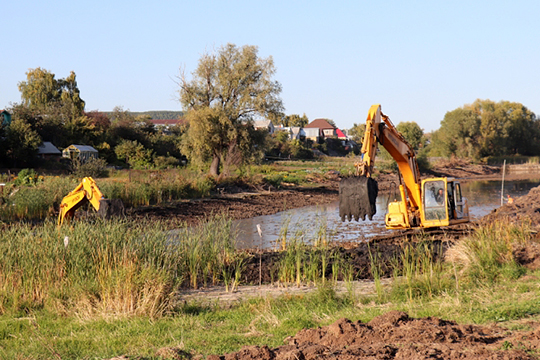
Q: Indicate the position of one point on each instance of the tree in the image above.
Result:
(41, 91)
(486, 128)
(134, 154)
(22, 142)
(227, 91)
(357, 132)
(296, 120)
(413, 133)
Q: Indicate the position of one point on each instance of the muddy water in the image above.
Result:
(313, 222)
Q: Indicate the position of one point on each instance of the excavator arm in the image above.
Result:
(358, 194)
(418, 206)
(380, 130)
(87, 192)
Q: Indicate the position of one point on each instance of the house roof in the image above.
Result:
(320, 124)
(262, 123)
(82, 148)
(48, 148)
(340, 134)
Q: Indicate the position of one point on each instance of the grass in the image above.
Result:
(40, 198)
(103, 289)
(110, 268)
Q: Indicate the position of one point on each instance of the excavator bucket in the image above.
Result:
(357, 196)
(109, 208)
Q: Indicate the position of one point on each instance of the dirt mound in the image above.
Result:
(394, 335)
(460, 168)
(522, 208)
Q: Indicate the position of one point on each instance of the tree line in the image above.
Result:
(230, 88)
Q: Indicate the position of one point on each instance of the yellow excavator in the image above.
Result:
(427, 203)
(88, 192)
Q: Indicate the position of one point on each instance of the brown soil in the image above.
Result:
(523, 208)
(242, 205)
(395, 335)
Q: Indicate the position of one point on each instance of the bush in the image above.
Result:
(28, 177)
(165, 162)
(95, 168)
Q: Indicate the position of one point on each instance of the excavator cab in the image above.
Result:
(443, 203)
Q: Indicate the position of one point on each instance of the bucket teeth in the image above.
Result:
(357, 197)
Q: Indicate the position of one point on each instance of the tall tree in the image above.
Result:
(357, 132)
(413, 133)
(296, 120)
(227, 91)
(487, 128)
(41, 91)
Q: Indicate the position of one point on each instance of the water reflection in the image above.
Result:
(312, 221)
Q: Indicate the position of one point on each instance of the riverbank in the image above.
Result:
(243, 203)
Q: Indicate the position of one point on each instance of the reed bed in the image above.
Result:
(484, 258)
(307, 260)
(111, 268)
(39, 201)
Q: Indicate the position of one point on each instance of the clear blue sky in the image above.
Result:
(419, 59)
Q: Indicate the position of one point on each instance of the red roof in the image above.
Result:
(319, 123)
(340, 134)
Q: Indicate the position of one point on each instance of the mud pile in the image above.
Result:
(395, 336)
(526, 207)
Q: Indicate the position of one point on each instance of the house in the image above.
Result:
(264, 124)
(82, 153)
(323, 129)
(295, 132)
(48, 151)
(5, 118)
(341, 135)
(165, 125)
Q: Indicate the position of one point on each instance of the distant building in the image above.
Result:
(82, 153)
(323, 129)
(48, 151)
(295, 132)
(5, 118)
(166, 124)
(264, 124)
(341, 135)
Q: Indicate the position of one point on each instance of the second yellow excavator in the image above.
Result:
(432, 202)
(88, 192)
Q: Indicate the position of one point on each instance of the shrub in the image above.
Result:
(165, 162)
(94, 168)
(28, 177)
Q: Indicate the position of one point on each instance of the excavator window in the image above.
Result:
(434, 200)
(459, 201)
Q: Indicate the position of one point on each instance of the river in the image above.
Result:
(311, 222)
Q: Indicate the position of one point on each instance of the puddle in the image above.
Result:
(313, 221)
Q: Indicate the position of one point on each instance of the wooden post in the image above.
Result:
(502, 185)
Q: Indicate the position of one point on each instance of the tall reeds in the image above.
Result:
(41, 200)
(308, 260)
(420, 272)
(488, 254)
(111, 268)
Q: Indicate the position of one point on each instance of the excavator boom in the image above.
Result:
(88, 192)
